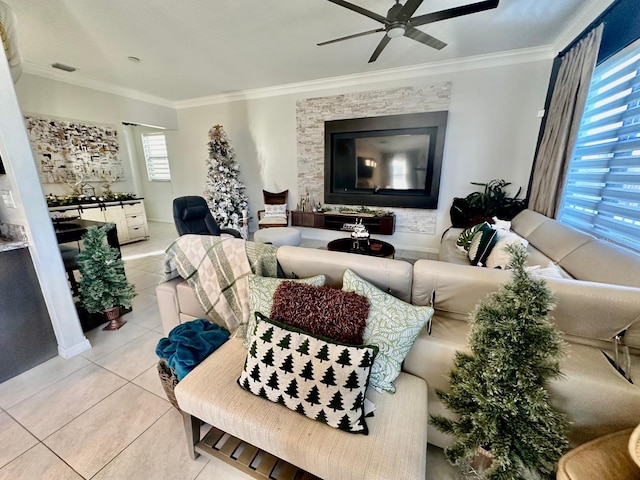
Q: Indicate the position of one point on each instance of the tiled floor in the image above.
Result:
(103, 414)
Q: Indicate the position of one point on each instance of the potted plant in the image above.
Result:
(498, 390)
(103, 285)
(492, 201)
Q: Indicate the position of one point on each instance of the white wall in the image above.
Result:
(49, 98)
(491, 133)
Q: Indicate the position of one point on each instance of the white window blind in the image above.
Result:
(156, 157)
(602, 189)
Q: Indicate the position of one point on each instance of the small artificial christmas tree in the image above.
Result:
(103, 284)
(223, 190)
(499, 389)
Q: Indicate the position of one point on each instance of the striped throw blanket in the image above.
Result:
(217, 269)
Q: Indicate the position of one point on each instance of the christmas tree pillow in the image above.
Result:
(261, 290)
(325, 311)
(321, 379)
(392, 326)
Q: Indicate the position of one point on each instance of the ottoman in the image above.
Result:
(278, 236)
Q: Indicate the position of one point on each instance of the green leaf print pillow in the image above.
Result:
(392, 326)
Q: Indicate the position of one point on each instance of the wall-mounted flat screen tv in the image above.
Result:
(390, 161)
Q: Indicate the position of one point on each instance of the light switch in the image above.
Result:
(7, 198)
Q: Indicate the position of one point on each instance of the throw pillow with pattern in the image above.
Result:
(464, 240)
(320, 379)
(481, 245)
(392, 326)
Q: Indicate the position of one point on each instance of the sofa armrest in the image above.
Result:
(168, 304)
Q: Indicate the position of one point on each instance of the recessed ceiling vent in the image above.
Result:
(62, 66)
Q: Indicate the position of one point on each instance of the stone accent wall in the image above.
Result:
(313, 112)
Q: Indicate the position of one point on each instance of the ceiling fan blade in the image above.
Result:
(383, 43)
(453, 12)
(361, 11)
(417, 35)
(348, 37)
(408, 9)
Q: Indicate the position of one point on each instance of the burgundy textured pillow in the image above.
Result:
(325, 311)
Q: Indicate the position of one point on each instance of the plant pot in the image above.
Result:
(476, 468)
(113, 315)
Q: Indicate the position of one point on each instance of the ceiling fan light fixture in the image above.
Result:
(395, 31)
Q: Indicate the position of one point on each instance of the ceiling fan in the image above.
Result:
(399, 22)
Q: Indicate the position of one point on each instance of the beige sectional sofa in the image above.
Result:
(578, 254)
(595, 396)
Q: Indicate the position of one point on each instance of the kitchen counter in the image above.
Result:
(12, 237)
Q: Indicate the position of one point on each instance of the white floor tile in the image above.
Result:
(133, 358)
(150, 381)
(106, 341)
(93, 439)
(147, 317)
(147, 458)
(146, 280)
(38, 378)
(14, 439)
(52, 408)
(38, 463)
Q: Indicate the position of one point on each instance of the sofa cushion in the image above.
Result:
(392, 326)
(325, 311)
(499, 256)
(482, 244)
(320, 379)
(394, 448)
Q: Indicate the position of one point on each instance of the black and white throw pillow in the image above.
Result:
(314, 376)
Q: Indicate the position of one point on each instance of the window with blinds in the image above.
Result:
(156, 157)
(602, 189)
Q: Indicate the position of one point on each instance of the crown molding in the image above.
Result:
(588, 14)
(78, 80)
(510, 57)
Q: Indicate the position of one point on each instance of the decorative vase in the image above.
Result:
(113, 315)
(476, 468)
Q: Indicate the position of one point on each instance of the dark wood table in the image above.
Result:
(72, 231)
(376, 248)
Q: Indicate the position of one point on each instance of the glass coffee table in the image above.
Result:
(376, 248)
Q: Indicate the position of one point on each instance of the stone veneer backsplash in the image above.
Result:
(313, 112)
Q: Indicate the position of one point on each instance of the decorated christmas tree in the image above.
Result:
(499, 390)
(103, 284)
(224, 191)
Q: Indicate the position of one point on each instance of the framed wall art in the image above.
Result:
(68, 151)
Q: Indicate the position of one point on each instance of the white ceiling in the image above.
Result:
(196, 48)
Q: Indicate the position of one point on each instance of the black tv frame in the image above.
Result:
(419, 198)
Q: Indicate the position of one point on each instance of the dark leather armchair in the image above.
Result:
(191, 214)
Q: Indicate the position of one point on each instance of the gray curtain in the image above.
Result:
(563, 120)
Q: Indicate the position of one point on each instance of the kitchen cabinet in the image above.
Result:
(129, 216)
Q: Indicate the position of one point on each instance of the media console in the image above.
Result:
(335, 221)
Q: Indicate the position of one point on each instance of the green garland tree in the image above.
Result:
(103, 283)
(499, 390)
(224, 191)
